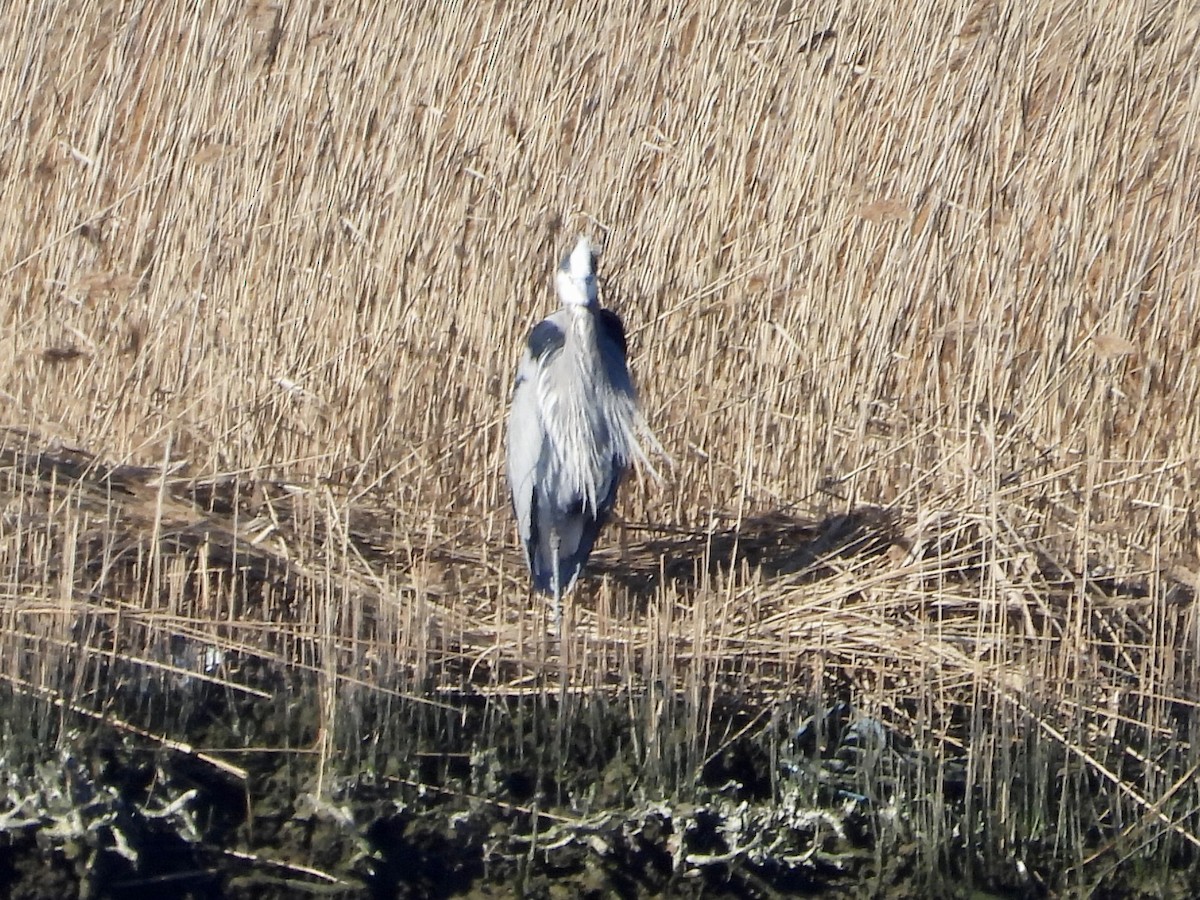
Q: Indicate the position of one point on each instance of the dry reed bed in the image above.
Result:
(276, 262)
(180, 579)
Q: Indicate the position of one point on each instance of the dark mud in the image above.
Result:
(499, 798)
(489, 800)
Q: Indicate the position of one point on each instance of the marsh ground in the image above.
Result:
(912, 305)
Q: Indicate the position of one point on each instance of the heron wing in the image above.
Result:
(610, 339)
(612, 330)
(525, 440)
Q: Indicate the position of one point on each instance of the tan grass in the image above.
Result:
(267, 271)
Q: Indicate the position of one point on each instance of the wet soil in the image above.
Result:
(492, 798)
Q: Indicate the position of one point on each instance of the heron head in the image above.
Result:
(576, 278)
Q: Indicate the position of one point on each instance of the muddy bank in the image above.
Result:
(489, 797)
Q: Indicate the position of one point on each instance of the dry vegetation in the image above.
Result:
(912, 301)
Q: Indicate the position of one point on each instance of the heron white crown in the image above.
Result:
(576, 278)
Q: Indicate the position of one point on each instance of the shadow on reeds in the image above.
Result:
(776, 545)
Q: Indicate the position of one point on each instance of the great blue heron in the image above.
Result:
(573, 430)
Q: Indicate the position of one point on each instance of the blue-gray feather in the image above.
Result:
(545, 338)
(612, 333)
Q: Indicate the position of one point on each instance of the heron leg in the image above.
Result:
(555, 544)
